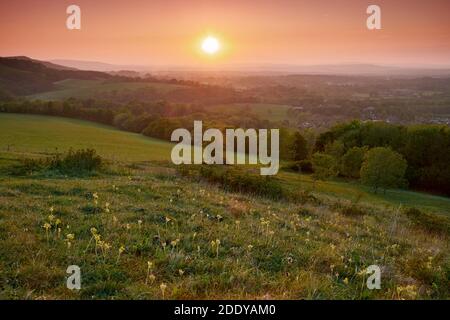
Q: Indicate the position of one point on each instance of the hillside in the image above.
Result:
(30, 134)
(84, 89)
(42, 135)
(24, 76)
(140, 226)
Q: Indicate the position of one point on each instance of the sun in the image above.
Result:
(210, 45)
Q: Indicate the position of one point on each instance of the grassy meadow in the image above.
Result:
(30, 134)
(138, 229)
(273, 112)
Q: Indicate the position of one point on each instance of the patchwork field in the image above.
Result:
(90, 88)
(270, 112)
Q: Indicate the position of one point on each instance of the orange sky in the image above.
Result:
(167, 32)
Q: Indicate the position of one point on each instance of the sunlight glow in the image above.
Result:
(210, 45)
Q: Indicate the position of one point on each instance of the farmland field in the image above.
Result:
(271, 112)
(90, 88)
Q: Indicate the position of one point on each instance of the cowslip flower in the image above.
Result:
(215, 245)
(121, 250)
(69, 238)
(163, 288)
(47, 227)
(149, 267)
(95, 197)
(174, 243)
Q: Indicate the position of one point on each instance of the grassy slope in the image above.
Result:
(89, 88)
(268, 249)
(355, 191)
(39, 134)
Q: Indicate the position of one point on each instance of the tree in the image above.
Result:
(299, 147)
(286, 139)
(324, 166)
(383, 168)
(352, 161)
(335, 149)
(121, 120)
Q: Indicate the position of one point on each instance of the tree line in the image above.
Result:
(417, 155)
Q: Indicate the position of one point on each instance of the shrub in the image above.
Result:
(352, 210)
(237, 180)
(28, 166)
(304, 166)
(74, 162)
(429, 221)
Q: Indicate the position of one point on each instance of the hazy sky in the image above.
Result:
(169, 32)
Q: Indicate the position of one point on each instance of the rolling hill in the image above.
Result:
(83, 89)
(196, 239)
(29, 134)
(24, 76)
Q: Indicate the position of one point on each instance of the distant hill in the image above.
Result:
(22, 76)
(45, 63)
(98, 66)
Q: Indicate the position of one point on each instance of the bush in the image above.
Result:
(352, 210)
(304, 166)
(74, 162)
(28, 166)
(429, 221)
(237, 180)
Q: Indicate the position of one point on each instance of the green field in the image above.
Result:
(160, 235)
(83, 89)
(40, 134)
(46, 135)
(353, 191)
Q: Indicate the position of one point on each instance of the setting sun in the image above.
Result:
(210, 45)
